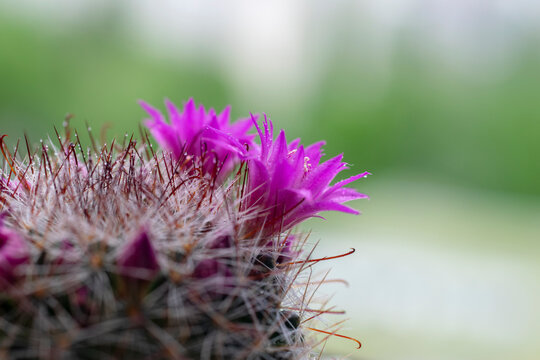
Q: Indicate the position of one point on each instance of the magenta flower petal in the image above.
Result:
(294, 144)
(279, 150)
(223, 141)
(223, 118)
(258, 183)
(351, 179)
(320, 176)
(163, 132)
(314, 153)
(175, 117)
(344, 194)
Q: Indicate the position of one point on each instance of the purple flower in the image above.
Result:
(210, 138)
(13, 254)
(290, 184)
(138, 260)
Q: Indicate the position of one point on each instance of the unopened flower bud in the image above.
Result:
(138, 260)
(210, 267)
(13, 254)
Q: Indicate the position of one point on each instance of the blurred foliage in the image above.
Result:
(426, 119)
(92, 73)
(447, 126)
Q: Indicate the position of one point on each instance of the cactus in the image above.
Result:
(185, 253)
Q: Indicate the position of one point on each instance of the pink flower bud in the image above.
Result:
(138, 260)
(211, 267)
(13, 254)
(222, 242)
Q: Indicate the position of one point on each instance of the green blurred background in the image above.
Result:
(439, 99)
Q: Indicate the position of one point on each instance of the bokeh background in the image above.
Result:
(440, 99)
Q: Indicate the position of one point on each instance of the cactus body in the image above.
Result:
(124, 252)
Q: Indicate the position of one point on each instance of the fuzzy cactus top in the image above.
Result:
(184, 253)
